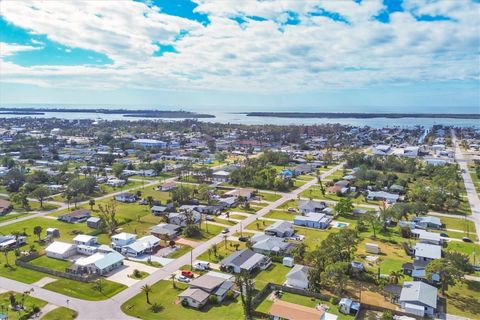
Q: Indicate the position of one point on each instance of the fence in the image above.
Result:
(24, 262)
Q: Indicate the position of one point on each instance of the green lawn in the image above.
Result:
(165, 295)
(213, 230)
(459, 223)
(18, 273)
(51, 263)
(315, 193)
(85, 291)
(180, 252)
(60, 313)
(259, 224)
(29, 303)
(238, 216)
(281, 214)
(223, 251)
(269, 196)
(276, 273)
(463, 299)
(304, 301)
(225, 221)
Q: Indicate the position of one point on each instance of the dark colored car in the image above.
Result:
(444, 235)
(243, 239)
(466, 239)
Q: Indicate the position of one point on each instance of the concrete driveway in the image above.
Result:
(122, 275)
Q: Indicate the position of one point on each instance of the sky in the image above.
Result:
(332, 55)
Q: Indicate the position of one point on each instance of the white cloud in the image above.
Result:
(8, 49)
(260, 56)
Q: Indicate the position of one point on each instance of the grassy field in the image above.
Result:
(304, 301)
(281, 214)
(314, 237)
(213, 230)
(259, 224)
(60, 313)
(29, 303)
(180, 252)
(85, 291)
(223, 251)
(165, 295)
(276, 273)
(269, 196)
(238, 216)
(463, 299)
(51, 263)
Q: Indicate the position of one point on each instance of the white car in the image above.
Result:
(183, 279)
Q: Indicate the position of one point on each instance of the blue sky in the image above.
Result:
(410, 55)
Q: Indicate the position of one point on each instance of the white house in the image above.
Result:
(298, 277)
(60, 250)
(146, 244)
(86, 240)
(221, 176)
(149, 143)
(418, 298)
(122, 239)
(99, 263)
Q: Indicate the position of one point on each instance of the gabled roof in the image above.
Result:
(195, 294)
(430, 251)
(418, 291)
(207, 282)
(298, 272)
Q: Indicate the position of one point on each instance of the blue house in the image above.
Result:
(287, 174)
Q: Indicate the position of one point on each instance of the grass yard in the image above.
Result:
(85, 291)
(238, 216)
(281, 214)
(459, 223)
(183, 249)
(304, 301)
(60, 313)
(165, 295)
(313, 237)
(223, 251)
(276, 273)
(51, 263)
(18, 273)
(225, 221)
(315, 193)
(271, 197)
(259, 224)
(463, 299)
(29, 303)
(213, 230)
(390, 259)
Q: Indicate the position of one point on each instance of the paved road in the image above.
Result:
(110, 309)
(469, 185)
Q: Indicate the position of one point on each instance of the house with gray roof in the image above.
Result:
(245, 260)
(419, 298)
(204, 286)
(266, 244)
(306, 206)
(428, 222)
(280, 229)
(165, 231)
(298, 277)
(146, 244)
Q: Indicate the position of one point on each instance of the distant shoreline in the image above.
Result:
(124, 112)
(356, 115)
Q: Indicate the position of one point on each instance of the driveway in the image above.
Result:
(122, 275)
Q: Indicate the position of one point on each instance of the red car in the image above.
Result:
(187, 273)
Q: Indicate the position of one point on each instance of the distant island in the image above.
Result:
(342, 115)
(124, 112)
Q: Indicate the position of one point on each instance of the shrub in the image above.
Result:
(185, 303)
(230, 295)
(156, 308)
(213, 299)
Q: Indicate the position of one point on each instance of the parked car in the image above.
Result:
(201, 265)
(467, 239)
(225, 231)
(291, 210)
(183, 279)
(442, 234)
(243, 239)
(209, 218)
(187, 273)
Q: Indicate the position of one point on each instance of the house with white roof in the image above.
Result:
(60, 250)
(419, 298)
(266, 244)
(98, 263)
(245, 260)
(122, 239)
(280, 229)
(427, 252)
(313, 220)
(221, 176)
(146, 244)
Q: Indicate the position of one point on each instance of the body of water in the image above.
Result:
(232, 116)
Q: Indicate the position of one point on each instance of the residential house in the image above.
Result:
(10, 241)
(306, 206)
(5, 207)
(428, 222)
(313, 220)
(298, 277)
(240, 192)
(149, 143)
(98, 263)
(340, 186)
(60, 250)
(280, 229)
(168, 186)
(382, 150)
(126, 197)
(209, 284)
(115, 183)
(228, 202)
(94, 222)
(382, 195)
(122, 239)
(427, 237)
(221, 176)
(180, 218)
(146, 244)
(266, 244)
(245, 260)
(76, 216)
(419, 298)
(159, 210)
(85, 240)
(165, 231)
(427, 252)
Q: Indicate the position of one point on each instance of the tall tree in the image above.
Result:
(40, 194)
(37, 230)
(147, 290)
(244, 282)
(446, 270)
(108, 213)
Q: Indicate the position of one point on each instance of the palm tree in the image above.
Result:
(172, 276)
(395, 276)
(147, 289)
